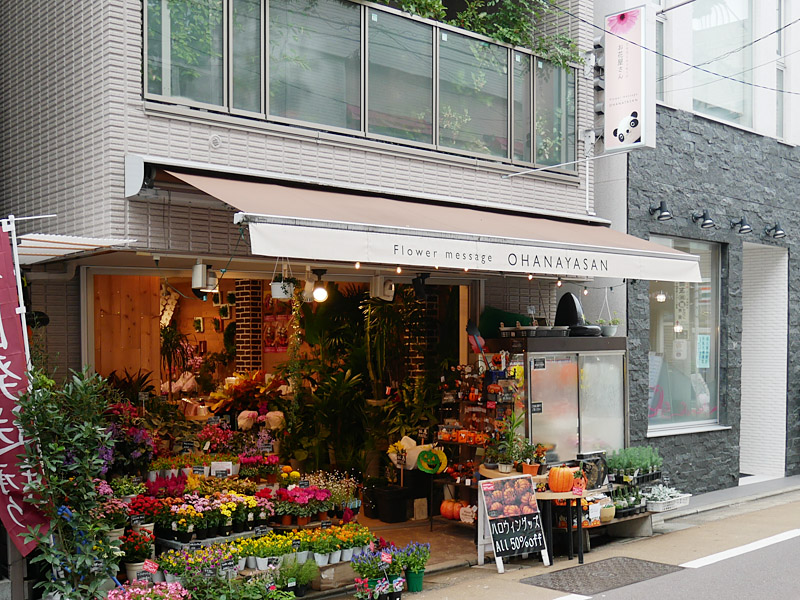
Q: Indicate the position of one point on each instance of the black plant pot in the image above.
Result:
(300, 590)
(238, 526)
(212, 531)
(202, 533)
(184, 537)
(225, 530)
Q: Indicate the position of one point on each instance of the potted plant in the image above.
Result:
(127, 488)
(113, 513)
(282, 286)
(508, 444)
(136, 547)
(295, 576)
(608, 329)
(415, 556)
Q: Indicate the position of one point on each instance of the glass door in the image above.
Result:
(553, 404)
(602, 401)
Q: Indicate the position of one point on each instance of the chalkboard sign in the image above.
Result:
(227, 565)
(295, 544)
(269, 448)
(209, 572)
(144, 576)
(194, 546)
(263, 530)
(137, 519)
(188, 446)
(536, 408)
(303, 483)
(198, 470)
(539, 363)
(221, 473)
(512, 515)
(325, 524)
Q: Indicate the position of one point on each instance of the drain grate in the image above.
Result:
(601, 576)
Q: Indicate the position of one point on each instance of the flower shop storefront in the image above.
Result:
(253, 424)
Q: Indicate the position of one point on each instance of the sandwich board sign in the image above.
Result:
(509, 520)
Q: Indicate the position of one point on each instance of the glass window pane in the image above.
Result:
(779, 103)
(660, 60)
(555, 114)
(555, 387)
(523, 90)
(315, 62)
(602, 402)
(684, 342)
(191, 49)
(473, 95)
(400, 77)
(722, 33)
(155, 63)
(246, 55)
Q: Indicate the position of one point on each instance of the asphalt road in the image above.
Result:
(770, 572)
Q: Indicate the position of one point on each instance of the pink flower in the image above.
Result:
(623, 22)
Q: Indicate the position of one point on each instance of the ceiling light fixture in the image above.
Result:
(320, 294)
(661, 297)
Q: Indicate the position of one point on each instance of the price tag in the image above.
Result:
(577, 491)
(295, 544)
(491, 404)
(144, 397)
(325, 524)
(188, 446)
(468, 481)
(137, 519)
(269, 448)
(209, 572)
(221, 474)
(136, 479)
(537, 408)
(303, 483)
(97, 566)
(386, 557)
(227, 565)
(290, 583)
(198, 470)
(144, 576)
(192, 546)
(458, 479)
(263, 530)
(150, 566)
(206, 446)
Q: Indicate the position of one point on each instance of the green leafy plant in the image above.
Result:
(302, 573)
(174, 353)
(67, 440)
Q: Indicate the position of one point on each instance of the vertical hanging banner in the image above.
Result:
(630, 108)
(16, 515)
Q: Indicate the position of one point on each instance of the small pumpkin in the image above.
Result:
(449, 509)
(560, 479)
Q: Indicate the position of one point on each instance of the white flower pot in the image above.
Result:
(242, 563)
(115, 534)
(281, 290)
(504, 467)
(251, 562)
(170, 578)
(347, 555)
(335, 557)
(152, 475)
(186, 471)
(158, 576)
(608, 330)
(172, 473)
(301, 557)
(235, 469)
(321, 559)
(261, 563)
(147, 526)
(132, 569)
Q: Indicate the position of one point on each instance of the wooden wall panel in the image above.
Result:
(126, 324)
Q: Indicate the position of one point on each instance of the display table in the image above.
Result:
(176, 545)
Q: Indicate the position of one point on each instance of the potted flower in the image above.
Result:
(136, 547)
(126, 488)
(140, 590)
(508, 444)
(282, 286)
(322, 548)
(415, 556)
(114, 513)
(143, 511)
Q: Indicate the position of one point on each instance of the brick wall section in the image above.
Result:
(59, 341)
(422, 341)
(700, 164)
(249, 321)
(74, 71)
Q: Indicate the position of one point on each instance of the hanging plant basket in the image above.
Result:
(282, 290)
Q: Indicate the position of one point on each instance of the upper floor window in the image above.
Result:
(721, 41)
(344, 66)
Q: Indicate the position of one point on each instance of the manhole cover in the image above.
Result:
(601, 576)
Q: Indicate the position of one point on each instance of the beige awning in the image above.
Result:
(326, 225)
(37, 247)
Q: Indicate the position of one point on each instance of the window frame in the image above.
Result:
(694, 426)
(363, 132)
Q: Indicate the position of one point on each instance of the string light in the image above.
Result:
(559, 283)
(399, 270)
(678, 328)
(585, 291)
(661, 297)
(530, 276)
(358, 265)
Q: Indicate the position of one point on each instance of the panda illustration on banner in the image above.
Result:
(628, 130)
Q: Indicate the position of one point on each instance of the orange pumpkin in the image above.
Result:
(560, 479)
(449, 509)
(579, 481)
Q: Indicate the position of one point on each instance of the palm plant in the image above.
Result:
(174, 354)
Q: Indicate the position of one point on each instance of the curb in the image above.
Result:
(677, 514)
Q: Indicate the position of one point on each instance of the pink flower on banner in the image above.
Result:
(623, 22)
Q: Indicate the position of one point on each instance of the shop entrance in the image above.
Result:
(765, 273)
